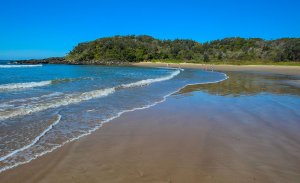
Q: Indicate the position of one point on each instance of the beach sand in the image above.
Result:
(204, 133)
(289, 70)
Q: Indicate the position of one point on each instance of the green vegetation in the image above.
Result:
(232, 62)
(122, 49)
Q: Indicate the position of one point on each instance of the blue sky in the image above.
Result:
(44, 28)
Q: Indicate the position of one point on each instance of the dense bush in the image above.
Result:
(141, 48)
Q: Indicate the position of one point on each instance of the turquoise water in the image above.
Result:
(43, 107)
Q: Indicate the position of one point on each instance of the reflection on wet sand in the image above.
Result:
(250, 83)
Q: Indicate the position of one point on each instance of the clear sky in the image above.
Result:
(43, 28)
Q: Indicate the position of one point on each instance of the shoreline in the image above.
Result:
(107, 121)
(274, 69)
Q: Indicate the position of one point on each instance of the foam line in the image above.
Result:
(150, 81)
(34, 141)
(67, 100)
(14, 86)
(20, 66)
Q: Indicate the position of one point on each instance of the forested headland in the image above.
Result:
(118, 50)
(146, 48)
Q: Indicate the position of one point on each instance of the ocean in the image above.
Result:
(43, 107)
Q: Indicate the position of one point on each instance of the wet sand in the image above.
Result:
(290, 70)
(245, 129)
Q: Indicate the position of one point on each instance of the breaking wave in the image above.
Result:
(66, 100)
(14, 86)
(20, 66)
(149, 81)
(17, 86)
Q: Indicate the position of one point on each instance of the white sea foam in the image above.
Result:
(105, 121)
(14, 86)
(20, 66)
(150, 81)
(34, 140)
(64, 101)
(43, 97)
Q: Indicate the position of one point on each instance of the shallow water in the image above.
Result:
(43, 107)
(250, 125)
(250, 83)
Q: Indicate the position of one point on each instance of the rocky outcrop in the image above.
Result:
(52, 60)
(62, 60)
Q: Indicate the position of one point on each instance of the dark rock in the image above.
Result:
(62, 60)
(52, 60)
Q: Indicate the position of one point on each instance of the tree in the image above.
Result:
(205, 57)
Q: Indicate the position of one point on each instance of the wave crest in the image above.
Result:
(14, 86)
(150, 81)
(66, 100)
(19, 66)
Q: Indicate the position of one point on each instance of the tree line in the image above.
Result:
(146, 48)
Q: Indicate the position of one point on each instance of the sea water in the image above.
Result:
(43, 107)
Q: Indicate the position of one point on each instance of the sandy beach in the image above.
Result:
(245, 129)
(289, 70)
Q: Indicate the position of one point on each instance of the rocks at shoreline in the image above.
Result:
(62, 60)
(100, 62)
(52, 60)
